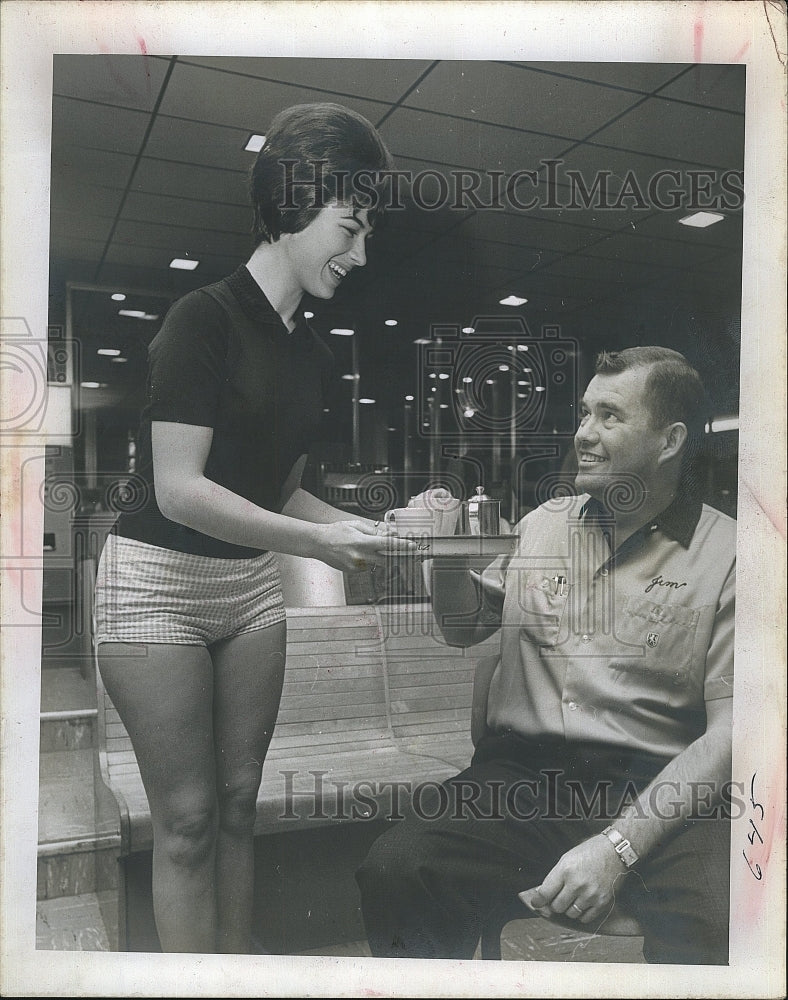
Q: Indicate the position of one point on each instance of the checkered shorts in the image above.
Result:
(145, 593)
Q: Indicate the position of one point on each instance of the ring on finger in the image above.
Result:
(574, 906)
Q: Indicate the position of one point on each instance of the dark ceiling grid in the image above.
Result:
(187, 188)
(140, 152)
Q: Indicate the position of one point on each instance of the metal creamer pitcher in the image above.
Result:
(481, 515)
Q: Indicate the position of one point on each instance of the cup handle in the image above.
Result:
(388, 517)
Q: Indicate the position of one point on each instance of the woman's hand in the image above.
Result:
(354, 546)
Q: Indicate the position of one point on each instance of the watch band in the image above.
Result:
(622, 847)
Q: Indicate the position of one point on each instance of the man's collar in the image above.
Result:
(678, 520)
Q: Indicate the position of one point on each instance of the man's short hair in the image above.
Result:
(673, 391)
(312, 155)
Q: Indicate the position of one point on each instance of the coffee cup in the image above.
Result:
(417, 523)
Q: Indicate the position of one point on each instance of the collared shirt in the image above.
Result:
(621, 645)
(224, 359)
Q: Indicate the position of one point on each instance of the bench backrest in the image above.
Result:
(430, 684)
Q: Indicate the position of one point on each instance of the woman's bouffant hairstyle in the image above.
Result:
(314, 154)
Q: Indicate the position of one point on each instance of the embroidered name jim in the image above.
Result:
(659, 582)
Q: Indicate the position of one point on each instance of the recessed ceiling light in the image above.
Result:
(503, 368)
(489, 381)
(340, 331)
(255, 143)
(468, 413)
(326, 409)
(118, 297)
(93, 385)
(422, 340)
(513, 300)
(181, 264)
(119, 361)
(108, 352)
(723, 424)
(309, 315)
(444, 375)
(444, 406)
(522, 347)
(409, 399)
(523, 382)
(700, 220)
(468, 329)
(538, 388)
(391, 322)
(137, 314)
(348, 378)
(467, 379)
(366, 400)
(391, 428)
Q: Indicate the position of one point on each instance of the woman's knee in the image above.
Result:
(238, 804)
(187, 833)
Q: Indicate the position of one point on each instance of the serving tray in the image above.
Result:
(478, 547)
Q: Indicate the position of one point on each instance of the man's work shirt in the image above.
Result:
(618, 645)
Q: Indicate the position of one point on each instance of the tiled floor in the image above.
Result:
(74, 923)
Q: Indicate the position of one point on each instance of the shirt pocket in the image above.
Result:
(543, 602)
(661, 638)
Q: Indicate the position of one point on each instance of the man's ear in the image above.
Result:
(675, 439)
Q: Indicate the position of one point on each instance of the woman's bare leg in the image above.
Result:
(248, 674)
(164, 694)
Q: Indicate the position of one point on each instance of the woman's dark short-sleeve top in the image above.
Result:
(224, 359)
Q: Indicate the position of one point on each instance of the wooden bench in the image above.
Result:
(374, 703)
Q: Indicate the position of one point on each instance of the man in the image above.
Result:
(601, 777)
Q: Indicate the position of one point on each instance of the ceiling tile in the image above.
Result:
(186, 212)
(592, 170)
(375, 79)
(524, 230)
(674, 253)
(244, 102)
(89, 227)
(718, 86)
(642, 77)
(70, 192)
(97, 126)
(187, 180)
(602, 270)
(461, 143)
(122, 80)
(688, 133)
(92, 166)
(183, 141)
(69, 247)
(182, 241)
(518, 97)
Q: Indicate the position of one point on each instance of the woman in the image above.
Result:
(190, 622)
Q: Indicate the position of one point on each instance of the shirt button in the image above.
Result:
(586, 638)
(572, 706)
(603, 572)
(654, 527)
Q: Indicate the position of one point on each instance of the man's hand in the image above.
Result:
(582, 885)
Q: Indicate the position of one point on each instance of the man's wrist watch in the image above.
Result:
(622, 847)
